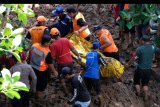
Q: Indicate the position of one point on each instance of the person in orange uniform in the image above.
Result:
(108, 46)
(79, 24)
(36, 33)
(41, 62)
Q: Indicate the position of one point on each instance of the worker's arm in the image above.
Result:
(50, 64)
(82, 24)
(75, 52)
(106, 44)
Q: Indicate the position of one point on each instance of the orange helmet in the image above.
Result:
(54, 31)
(41, 19)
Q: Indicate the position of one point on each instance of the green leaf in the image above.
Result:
(30, 13)
(17, 56)
(8, 94)
(2, 9)
(17, 31)
(146, 21)
(7, 31)
(3, 43)
(22, 88)
(23, 17)
(121, 23)
(21, 6)
(125, 15)
(16, 76)
(14, 93)
(8, 25)
(1, 80)
(17, 40)
(5, 72)
(130, 25)
(145, 14)
(8, 78)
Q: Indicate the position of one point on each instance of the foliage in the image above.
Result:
(138, 14)
(9, 84)
(11, 32)
(11, 36)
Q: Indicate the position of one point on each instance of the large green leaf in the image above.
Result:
(5, 72)
(145, 14)
(21, 6)
(8, 25)
(17, 40)
(1, 80)
(8, 94)
(7, 31)
(17, 31)
(22, 17)
(22, 88)
(2, 9)
(14, 93)
(125, 15)
(30, 13)
(130, 25)
(15, 77)
(17, 56)
(146, 20)
(121, 23)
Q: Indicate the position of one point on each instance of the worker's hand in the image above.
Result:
(76, 32)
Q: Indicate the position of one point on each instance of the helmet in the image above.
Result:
(96, 45)
(41, 19)
(58, 10)
(54, 31)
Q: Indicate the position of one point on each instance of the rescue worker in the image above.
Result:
(60, 50)
(80, 26)
(144, 55)
(108, 47)
(41, 62)
(81, 96)
(64, 24)
(26, 74)
(36, 33)
(92, 70)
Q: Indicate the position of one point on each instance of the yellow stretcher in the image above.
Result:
(113, 68)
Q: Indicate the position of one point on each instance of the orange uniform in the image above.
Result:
(37, 33)
(112, 47)
(38, 57)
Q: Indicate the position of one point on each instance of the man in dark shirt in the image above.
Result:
(144, 55)
(80, 26)
(26, 73)
(81, 96)
(64, 23)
